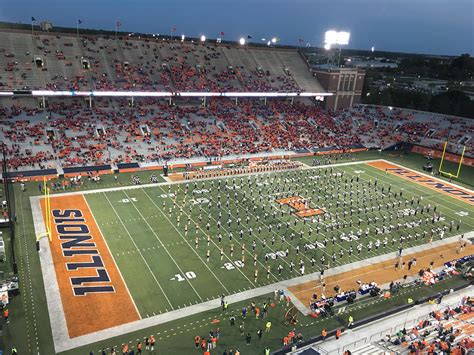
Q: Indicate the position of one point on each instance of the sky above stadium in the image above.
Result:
(421, 26)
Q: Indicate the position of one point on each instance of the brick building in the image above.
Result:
(344, 83)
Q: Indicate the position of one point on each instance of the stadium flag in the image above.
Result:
(173, 30)
(77, 27)
(32, 29)
(249, 37)
(301, 40)
(222, 33)
(117, 25)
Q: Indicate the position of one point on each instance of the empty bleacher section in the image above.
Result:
(65, 62)
(380, 126)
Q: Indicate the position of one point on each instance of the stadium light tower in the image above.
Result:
(242, 41)
(203, 38)
(340, 39)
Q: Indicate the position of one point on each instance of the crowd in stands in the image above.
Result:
(67, 135)
(70, 134)
(444, 331)
(382, 126)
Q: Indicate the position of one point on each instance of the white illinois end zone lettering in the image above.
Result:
(76, 239)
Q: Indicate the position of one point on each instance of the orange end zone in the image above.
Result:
(90, 304)
(435, 184)
(382, 273)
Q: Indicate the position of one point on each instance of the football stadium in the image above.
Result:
(170, 194)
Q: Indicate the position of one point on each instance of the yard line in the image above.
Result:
(164, 247)
(279, 220)
(416, 186)
(286, 241)
(413, 186)
(225, 229)
(144, 260)
(193, 249)
(351, 170)
(216, 244)
(111, 255)
(273, 232)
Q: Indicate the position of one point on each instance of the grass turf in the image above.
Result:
(29, 327)
(150, 245)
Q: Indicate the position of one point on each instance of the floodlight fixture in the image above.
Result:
(372, 49)
(343, 38)
(274, 40)
(182, 38)
(330, 37)
(203, 38)
(242, 41)
(327, 46)
(269, 43)
(333, 37)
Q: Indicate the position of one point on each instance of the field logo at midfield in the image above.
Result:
(93, 294)
(301, 205)
(436, 184)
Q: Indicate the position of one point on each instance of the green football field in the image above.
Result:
(181, 244)
(124, 229)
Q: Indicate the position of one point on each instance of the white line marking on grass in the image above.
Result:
(166, 249)
(255, 236)
(112, 256)
(205, 233)
(139, 252)
(181, 235)
(418, 187)
(237, 202)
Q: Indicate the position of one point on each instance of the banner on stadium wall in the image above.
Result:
(438, 153)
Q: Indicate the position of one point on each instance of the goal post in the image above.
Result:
(47, 213)
(447, 173)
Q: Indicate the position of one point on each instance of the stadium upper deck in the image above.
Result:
(64, 62)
